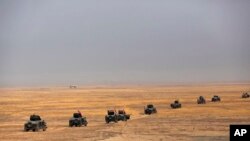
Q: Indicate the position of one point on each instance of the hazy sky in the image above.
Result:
(56, 42)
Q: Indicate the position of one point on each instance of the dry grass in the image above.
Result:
(194, 122)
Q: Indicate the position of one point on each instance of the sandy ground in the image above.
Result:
(193, 122)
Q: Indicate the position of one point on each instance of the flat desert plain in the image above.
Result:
(193, 122)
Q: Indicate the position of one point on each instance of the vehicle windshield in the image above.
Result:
(150, 106)
(111, 112)
(121, 112)
(35, 118)
(77, 115)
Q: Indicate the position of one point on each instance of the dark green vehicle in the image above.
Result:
(175, 105)
(111, 116)
(201, 100)
(122, 115)
(245, 95)
(215, 98)
(78, 120)
(35, 123)
(150, 109)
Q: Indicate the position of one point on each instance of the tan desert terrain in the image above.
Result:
(209, 122)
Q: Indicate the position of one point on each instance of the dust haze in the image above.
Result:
(115, 42)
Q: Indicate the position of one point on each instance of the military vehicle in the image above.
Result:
(72, 86)
(77, 120)
(111, 116)
(175, 105)
(201, 100)
(35, 123)
(149, 109)
(122, 115)
(245, 95)
(215, 98)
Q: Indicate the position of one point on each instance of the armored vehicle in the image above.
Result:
(245, 95)
(175, 105)
(201, 100)
(77, 120)
(215, 98)
(122, 115)
(111, 116)
(35, 123)
(72, 86)
(150, 109)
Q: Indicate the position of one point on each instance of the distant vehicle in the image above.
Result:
(149, 109)
(245, 95)
(122, 115)
(111, 116)
(201, 100)
(78, 120)
(35, 123)
(216, 98)
(72, 86)
(175, 105)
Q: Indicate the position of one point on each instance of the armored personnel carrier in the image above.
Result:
(35, 123)
(149, 109)
(245, 95)
(175, 105)
(111, 116)
(78, 120)
(122, 115)
(201, 100)
(215, 98)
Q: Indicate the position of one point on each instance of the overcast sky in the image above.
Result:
(57, 42)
